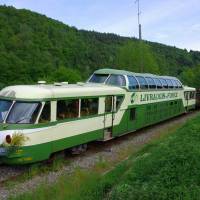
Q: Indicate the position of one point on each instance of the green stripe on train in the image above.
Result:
(35, 153)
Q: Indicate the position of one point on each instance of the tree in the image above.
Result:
(135, 56)
(63, 74)
(191, 76)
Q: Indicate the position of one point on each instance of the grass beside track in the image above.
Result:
(168, 168)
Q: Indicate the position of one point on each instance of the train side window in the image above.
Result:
(164, 83)
(151, 83)
(117, 80)
(46, 113)
(89, 106)
(174, 84)
(158, 83)
(192, 95)
(178, 83)
(133, 84)
(67, 109)
(108, 104)
(132, 114)
(169, 82)
(186, 95)
(143, 82)
(119, 100)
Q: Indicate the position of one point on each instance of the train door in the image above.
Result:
(109, 117)
(131, 119)
(186, 95)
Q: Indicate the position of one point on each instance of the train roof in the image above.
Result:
(187, 88)
(124, 72)
(31, 92)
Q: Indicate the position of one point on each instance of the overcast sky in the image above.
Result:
(173, 22)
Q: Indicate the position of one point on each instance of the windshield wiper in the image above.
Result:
(22, 119)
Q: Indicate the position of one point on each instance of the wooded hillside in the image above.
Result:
(34, 47)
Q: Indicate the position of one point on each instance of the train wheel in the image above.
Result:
(51, 159)
(79, 149)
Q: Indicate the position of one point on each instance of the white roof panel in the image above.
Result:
(52, 91)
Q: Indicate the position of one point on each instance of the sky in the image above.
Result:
(171, 22)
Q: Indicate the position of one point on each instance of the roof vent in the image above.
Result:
(64, 83)
(58, 84)
(80, 83)
(41, 82)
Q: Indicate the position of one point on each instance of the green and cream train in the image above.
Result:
(39, 120)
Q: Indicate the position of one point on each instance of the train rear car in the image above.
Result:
(198, 98)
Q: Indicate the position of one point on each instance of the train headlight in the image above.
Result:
(8, 139)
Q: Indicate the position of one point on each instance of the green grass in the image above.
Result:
(168, 168)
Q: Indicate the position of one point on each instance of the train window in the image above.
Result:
(179, 84)
(67, 109)
(143, 83)
(89, 106)
(169, 82)
(198, 94)
(158, 83)
(164, 83)
(133, 84)
(174, 83)
(186, 95)
(4, 108)
(192, 95)
(46, 113)
(98, 78)
(24, 113)
(151, 83)
(108, 104)
(132, 114)
(117, 80)
(119, 100)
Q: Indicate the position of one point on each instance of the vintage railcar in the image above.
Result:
(51, 118)
(198, 98)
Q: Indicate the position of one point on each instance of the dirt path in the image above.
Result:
(112, 151)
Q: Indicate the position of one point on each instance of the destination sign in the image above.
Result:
(159, 96)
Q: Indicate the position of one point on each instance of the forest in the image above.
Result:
(34, 47)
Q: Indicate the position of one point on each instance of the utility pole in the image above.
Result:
(139, 24)
(140, 36)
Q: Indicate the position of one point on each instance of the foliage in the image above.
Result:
(34, 47)
(169, 171)
(18, 139)
(67, 74)
(191, 76)
(137, 57)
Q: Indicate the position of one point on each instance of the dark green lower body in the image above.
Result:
(135, 117)
(36, 153)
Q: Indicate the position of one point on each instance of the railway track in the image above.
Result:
(96, 150)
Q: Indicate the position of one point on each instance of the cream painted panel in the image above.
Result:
(101, 105)
(53, 110)
(69, 129)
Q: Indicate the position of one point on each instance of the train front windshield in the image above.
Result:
(98, 78)
(23, 113)
(19, 112)
(4, 108)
